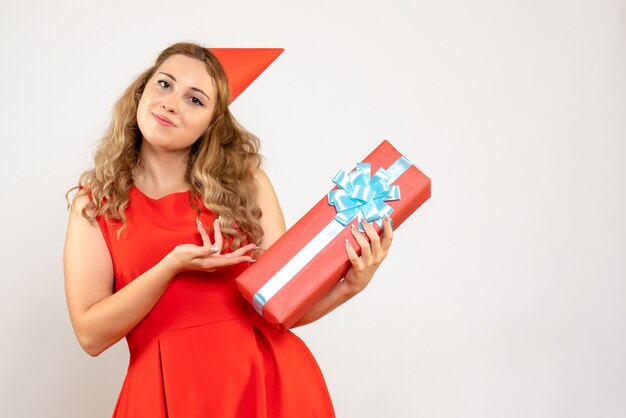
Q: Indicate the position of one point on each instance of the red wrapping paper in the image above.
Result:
(325, 270)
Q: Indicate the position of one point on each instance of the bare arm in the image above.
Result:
(100, 317)
(373, 251)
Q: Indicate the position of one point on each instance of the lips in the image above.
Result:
(162, 120)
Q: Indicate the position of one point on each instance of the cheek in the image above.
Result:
(143, 101)
(199, 122)
(142, 113)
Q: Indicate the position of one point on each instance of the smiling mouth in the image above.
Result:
(163, 121)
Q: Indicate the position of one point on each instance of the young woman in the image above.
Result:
(174, 209)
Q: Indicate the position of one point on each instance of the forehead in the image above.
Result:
(188, 71)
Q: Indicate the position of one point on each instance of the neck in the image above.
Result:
(161, 172)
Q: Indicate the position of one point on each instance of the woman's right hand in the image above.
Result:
(206, 257)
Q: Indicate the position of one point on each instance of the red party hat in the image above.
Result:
(243, 65)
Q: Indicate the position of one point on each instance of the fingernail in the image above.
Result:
(257, 248)
(213, 248)
(253, 261)
(353, 226)
(198, 221)
(346, 241)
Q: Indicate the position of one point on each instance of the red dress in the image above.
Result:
(202, 351)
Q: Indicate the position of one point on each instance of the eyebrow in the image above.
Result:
(192, 88)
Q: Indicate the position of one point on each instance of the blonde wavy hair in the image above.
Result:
(220, 163)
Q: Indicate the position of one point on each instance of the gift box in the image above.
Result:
(310, 258)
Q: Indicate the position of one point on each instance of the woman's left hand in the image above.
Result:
(373, 252)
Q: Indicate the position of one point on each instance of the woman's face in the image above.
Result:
(177, 104)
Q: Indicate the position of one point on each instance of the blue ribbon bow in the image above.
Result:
(362, 196)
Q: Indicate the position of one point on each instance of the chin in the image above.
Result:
(159, 143)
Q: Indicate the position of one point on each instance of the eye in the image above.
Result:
(196, 101)
(164, 84)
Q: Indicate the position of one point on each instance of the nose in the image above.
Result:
(168, 107)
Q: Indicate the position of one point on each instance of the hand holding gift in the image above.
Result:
(299, 270)
(373, 252)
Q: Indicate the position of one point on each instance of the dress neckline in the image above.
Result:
(185, 192)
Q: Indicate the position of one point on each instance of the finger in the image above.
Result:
(368, 227)
(387, 234)
(217, 262)
(217, 233)
(354, 258)
(242, 250)
(206, 241)
(202, 252)
(366, 250)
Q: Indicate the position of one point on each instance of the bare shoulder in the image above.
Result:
(272, 219)
(265, 187)
(84, 241)
(262, 178)
(80, 229)
(78, 202)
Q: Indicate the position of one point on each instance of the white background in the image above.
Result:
(502, 296)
